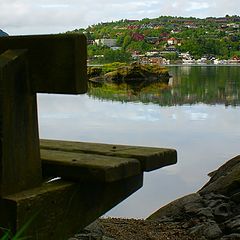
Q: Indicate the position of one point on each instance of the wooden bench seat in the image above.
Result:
(100, 162)
(87, 167)
(94, 177)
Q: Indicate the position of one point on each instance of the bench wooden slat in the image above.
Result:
(149, 157)
(57, 62)
(60, 209)
(88, 167)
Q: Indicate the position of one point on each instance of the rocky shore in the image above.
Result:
(211, 213)
(130, 74)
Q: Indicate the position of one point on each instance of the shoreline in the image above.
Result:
(213, 212)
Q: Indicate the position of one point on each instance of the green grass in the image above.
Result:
(19, 235)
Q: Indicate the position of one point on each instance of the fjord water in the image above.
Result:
(198, 114)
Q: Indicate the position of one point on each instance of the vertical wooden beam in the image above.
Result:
(20, 166)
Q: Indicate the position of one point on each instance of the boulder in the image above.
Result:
(3, 34)
(176, 209)
(134, 73)
(225, 180)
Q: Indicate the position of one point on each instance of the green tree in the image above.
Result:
(127, 40)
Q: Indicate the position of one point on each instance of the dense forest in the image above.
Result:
(209, 37)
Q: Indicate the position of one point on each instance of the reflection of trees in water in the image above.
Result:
(210, 85)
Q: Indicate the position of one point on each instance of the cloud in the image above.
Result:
(52, 16)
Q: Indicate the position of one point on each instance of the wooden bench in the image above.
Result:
(92, 178)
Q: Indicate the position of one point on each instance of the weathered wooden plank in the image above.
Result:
(87, 167)
(61, 209)
(150, 158)
(58, 63)
(20, 165)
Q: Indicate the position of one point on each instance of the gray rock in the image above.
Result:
(225, 180)
(233, 236)
(81, 237)
(236, 197)
(176, 207)
(233, 224)
(95, 228)
(206, 212)
(165, 219)
(108, 238)
(215, 196)
(193, 207)
(197, 230)
(222, 212)
(224, 169)
(208, 230)
(212, 231)
(213, 203)
(91, 232)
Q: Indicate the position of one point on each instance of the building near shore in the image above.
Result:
(106, 42)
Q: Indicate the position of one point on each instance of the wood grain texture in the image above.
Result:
(149, 157)
(88, 167)
(57, 63)
(62, 208)
(20, 165)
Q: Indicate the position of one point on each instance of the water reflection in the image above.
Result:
(204, 135)
(189, 85)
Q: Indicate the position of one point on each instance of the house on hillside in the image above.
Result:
(138, 37)
(172, 41)
(106, 42)
(152, 40)
(171, 48)
(132, 27)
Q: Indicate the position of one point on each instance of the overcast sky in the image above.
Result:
(54, 16)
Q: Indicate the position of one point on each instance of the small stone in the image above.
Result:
(236, 197)
(221, 196)
(193, 207)
(233, 236)
(233, 224)
(222, 212)
(215, 196)
(197, 230)
(213, 203)
(82, 237)
(206, 212)
(209, 231)
(108, 238)
(212, 231)
(165, 219)
(208, 196)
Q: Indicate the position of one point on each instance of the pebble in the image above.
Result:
(236, 197)
(233, 236)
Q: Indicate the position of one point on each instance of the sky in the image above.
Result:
(21, 17)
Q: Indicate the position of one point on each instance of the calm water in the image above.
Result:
(198, 115)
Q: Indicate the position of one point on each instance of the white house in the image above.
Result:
(106, 42)
(172, 41)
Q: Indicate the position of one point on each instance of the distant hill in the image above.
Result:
(2, 33)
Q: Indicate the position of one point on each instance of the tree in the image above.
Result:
(127, 40)
(116, 56)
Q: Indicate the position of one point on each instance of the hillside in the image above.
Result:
(2, 33)
(168, 36)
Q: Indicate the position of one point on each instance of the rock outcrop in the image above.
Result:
(211, 213)
(2, 33)
(214, 211)
(130, 74)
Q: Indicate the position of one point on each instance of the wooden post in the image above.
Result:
(50, 64)
(20, 166)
